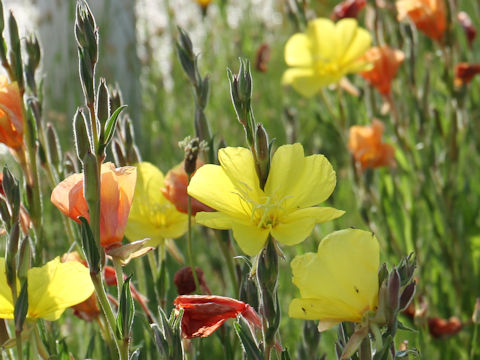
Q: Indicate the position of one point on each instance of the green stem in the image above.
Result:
(473, 349)
(224, 247)
(189, 241)
(18, 340)
(119, 274)
(42, 351)
(107, 311)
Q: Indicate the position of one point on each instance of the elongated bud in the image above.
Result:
(15, 52)
(54, 146)
(24, 259)
(21, 308)
(263, 154)
(406, 269)
(86, 71)
(5, 213)
(12, 193)
(185, 55)
(86, 31)
(119, 153)
(12, 249)
(393, 292)
(33, 51)
(115, 99)
(126, 311)
(407, 295)
(2, 21)
(103, 103)
(382, 274)
(82, 139)
(90, 248)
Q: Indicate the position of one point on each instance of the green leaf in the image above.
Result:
(248, 344)
(111, 125)
(90, 248)
(21, 308)
(126, 311)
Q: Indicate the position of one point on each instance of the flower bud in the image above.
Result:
(24, 259)
(15, 52)
(54, 148)
(11, 190)
(185, 54)
(263, 154)
(21, 308)
(407, 295)
(103, 103)
(82, 139)
(393, 291)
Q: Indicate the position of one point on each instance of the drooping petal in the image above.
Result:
(213, 187)
(55, 286)
(238, 164)
(6, 302)
(250, 238)
(298, 51)
(303, 80)
(297, 226)
(344, 271)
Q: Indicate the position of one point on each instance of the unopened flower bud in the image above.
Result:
(82, 139)
(103, 103)
(54, 146)
(24, 259)
(15, 52)
(407, 295)
(263, 154)
(393, 291)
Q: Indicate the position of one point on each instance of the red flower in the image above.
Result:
(348, 9)
(468, 27)
(185, 283)
(464, 73)
(442, 328)
(204, 314)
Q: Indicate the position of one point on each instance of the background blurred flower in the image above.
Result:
(11, 118)
(365, 144)
(175, 190)
(324, 54)
(339, 282)
(429, 16)
(117, 188)
(444, 328)
(464, 73)
(385, 61)
(263, 57)
(468, 27)
(285, 207)
(185, 283)
(204, 314)
(348, 9)
(152, 215)
(51, 289)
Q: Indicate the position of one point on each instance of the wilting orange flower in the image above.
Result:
(443, 328)
(263, 57)
(429, 16)
(464, 73)
(348, 9)
(385, 61)
(365, 144)
(175, 190)
(468, 27)
(116, 195)
(11, 118)
(204, 314)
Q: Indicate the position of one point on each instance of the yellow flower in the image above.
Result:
(285, 208)
(324, 54)
(152, 215)
(340, 281)
(51, 289)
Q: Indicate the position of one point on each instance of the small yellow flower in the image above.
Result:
(285, 208)
(339, 282)
(51, 289)
(152, 215)
(324, 54)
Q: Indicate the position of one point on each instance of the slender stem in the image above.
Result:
(106, 334)
(473, 349)
(220, 234)
(18, 340)
(107, 310)
(42, 351)
(189, 241)
(119, 275)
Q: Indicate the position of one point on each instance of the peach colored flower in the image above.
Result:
(116, 195)
(385, 61)
(11, 117)
(429, 16)
(464, 73)
(175, 190)
(365, 144)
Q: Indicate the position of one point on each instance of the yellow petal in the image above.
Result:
(321, 308)
(321, 33)
(345, 32)
(215, 220)
(213, 187)
(286, 162)
(358, 46)
(152, 215)
(6, 303)
(238, 164)
(298, 51)
(304, 80)
(250, 238)
(344, 270)
(297, 226)
(55, 286)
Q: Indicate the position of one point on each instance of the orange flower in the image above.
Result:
(11, 118)
(116, 195)
(385, 63)
(204, 314)
(348, 9)
(175, 190)
(365, 144)
(464, 73)
(429, 16)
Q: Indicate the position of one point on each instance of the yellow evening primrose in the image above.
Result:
(285, 208)
(152, 215)
(339, 282)
(324, 54)
(51, 289)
